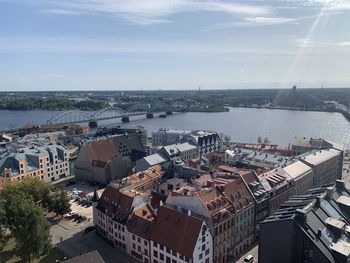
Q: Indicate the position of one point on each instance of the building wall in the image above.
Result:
(59, 167)
(244, 230)
(138, 247)
(275, 247)
(303, 183)
(203, 251)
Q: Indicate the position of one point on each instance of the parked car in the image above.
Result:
(70, 215)
(248, 259)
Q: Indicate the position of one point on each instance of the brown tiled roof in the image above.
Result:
(117, 203)
(108, 148)
(142, 222)
(156, 198)
(176, 230)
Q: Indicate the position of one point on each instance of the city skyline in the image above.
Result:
(104, 45)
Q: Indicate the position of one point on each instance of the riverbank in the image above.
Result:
(344, 113)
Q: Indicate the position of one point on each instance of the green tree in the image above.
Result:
(27, 223)
(259, 140)
(3, 236)
(60, 202)
(31, 231)
(266, 140)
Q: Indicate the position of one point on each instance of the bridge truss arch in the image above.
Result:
(108, 113)
(70, 117)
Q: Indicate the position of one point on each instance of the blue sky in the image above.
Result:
(173, 44)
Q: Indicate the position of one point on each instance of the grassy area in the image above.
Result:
(8, 254)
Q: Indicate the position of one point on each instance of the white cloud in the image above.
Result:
(84, 45)
(151, 11)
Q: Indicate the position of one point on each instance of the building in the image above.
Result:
(278, 184)
(163, 234)
(107, 159)
(301, 175)
(315, 228)
(304, 145)
(141, 181)
(327, 165)
(57, 162)
(108, 131)
(151, 160)
(184, 151)
(168, 136)
(180, 237)
(228, 209)
(47, 162)
(170, 185)
(205, 141)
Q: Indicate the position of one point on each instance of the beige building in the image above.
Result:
(301, 175)
(327, 165)
(48, 163)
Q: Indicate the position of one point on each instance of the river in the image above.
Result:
(241, 124)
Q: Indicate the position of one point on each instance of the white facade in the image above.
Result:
(57, 163)
(203, 251)
(112, 230)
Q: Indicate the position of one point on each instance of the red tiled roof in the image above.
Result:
(108, 148)
(116, 202)
(176, 230)
(142, 222)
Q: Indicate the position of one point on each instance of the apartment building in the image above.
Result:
(315, 227)
(57, 162)
(304, 145)
(162, 235)
(227, 207)
(327, 165)
(278, 184)
(46, 162)
(301, 175)
(184, 151)
(205, 141)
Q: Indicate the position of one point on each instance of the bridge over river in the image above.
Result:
(79, 116)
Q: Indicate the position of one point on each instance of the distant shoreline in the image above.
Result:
(344, 113)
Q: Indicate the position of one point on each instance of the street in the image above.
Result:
(253, 252)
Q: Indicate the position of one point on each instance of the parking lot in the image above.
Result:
(81, 216)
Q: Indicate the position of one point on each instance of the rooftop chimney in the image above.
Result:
(329, 193)
(301, 216)
(188, 212)
(340, 185)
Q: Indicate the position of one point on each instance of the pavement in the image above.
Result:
(82, 242)
(63, 229)
(253, 251)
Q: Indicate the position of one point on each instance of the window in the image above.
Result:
(161, 256)
(155, 253)
(145, 242)
(133, 246)
(133, 237)
(168, 260)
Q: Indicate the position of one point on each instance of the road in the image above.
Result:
(253, 252)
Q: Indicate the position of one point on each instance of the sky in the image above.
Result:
(173, 44)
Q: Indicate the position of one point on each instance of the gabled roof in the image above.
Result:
(176, 230)
(108, 148)
(117, 203)
(142, 222)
